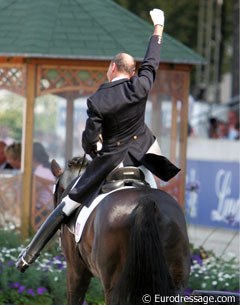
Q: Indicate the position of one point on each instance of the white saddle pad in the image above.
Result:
(86, 212)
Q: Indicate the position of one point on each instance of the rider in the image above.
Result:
(116, 111)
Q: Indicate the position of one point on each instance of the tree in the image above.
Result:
(11, 115)
(180, 16)
(181, 22)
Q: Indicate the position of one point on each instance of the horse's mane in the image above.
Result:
(75, 167)
(77, 163)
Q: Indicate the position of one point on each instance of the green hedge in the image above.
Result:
(45, 283)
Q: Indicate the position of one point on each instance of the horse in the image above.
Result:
(135, 241)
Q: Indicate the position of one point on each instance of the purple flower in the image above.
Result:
(187, 291)
(30, 291)
(10, 263)
(60, 266)
(41, 290)
(197, 258)
(15, 285)
(21, 289)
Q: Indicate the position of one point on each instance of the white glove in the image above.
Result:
(157, 16)
(99, 145)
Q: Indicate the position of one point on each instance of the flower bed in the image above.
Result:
(209, 272)
(44, 282)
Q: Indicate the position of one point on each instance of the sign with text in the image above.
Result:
(212, 194)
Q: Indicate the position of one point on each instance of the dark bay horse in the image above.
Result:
(135, 242)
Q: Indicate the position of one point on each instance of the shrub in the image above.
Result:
(45, 282)
(209, 272)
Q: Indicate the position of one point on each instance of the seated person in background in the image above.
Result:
(222, 130)
(233, 125)
(41, 169)
(3, 159)
(41, 164)
(213, 128)
(13, 155)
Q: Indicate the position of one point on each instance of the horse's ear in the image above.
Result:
(56, 169)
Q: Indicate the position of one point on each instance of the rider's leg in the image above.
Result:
(46, 232)
(84, 190)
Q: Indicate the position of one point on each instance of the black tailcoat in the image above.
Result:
(117, 111)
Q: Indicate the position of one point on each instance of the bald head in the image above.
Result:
(125, 63)
(122, 64)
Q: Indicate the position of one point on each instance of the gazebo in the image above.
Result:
(63, 48)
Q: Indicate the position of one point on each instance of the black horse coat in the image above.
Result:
(116, 111)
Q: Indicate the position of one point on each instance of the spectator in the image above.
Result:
(44, 180)
(222, 130)
(3, 159)
(213, 128)
(13, 155)
(41, 162)
(233, 125)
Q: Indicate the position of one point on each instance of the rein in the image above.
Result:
(82, 163)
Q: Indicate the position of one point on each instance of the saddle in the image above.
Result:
(119, 177)
(124, 176)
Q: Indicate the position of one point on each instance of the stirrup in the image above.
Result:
(22, 264)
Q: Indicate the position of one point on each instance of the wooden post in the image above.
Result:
(155, 119)
(174, 125)
(27, 142)
(183, 137)
(69, 128)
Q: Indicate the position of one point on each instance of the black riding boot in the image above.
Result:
(43, 235)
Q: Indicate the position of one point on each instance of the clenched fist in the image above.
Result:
(157, 16)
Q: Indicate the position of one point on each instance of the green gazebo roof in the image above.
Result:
(80, 29)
